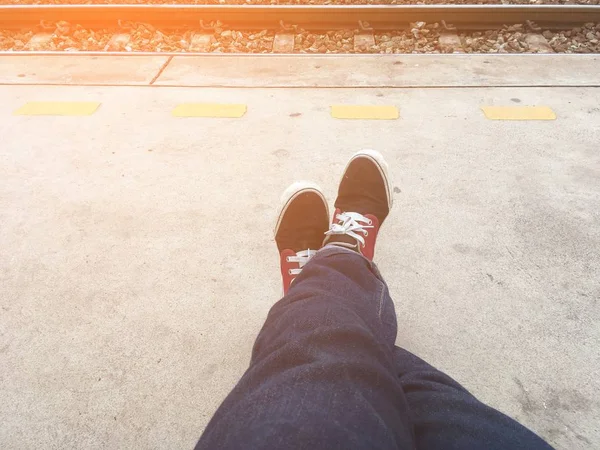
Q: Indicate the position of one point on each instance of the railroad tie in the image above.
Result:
(283, 43)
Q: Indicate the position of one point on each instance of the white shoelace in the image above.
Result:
(351, 224)
(301, 258)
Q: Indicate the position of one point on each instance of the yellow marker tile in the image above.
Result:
(518, 113)
(372, 112)
(209, 110)
(57, 109)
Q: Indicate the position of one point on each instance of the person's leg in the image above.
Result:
(324, 370)
(322, 374)
(443, 413)
(446, 416)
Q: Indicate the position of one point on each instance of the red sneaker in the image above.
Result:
(303, 220)
(364, 200)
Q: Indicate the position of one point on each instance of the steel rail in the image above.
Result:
(313, 17)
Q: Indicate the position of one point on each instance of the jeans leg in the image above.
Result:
(446, 416)
(322, 373)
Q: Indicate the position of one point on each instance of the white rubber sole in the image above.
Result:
(293, 191)
(382, 165)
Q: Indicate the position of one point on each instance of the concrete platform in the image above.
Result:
(137, 263)
(214, 70)
(81, 69)
(383, 71)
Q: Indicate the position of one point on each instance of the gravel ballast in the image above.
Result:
(420, 38)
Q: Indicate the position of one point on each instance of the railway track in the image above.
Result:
(317, 17)
(48, 27)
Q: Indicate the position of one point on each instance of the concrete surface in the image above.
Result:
(303, 70)
(137, 263)
(383, 71)
(80, 69)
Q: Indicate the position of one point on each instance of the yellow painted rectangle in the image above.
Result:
(518, 113)
(368, 112)
(209, 110)
(57, 109)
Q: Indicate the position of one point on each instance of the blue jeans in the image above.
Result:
(326, 374)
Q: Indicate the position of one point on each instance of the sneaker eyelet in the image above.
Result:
(287, 259)
(366, 233)
(370, 222)
(290, 272)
